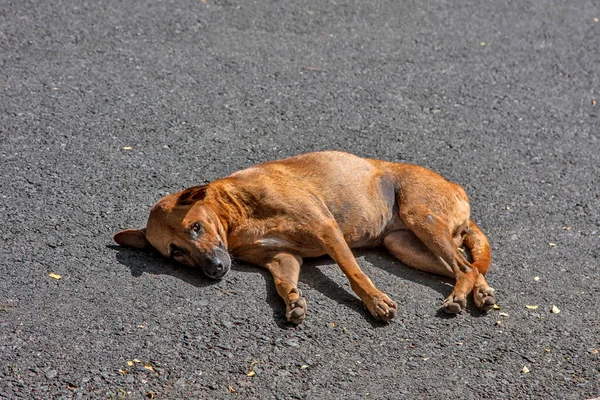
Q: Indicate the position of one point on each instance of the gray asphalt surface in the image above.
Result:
(105, 106)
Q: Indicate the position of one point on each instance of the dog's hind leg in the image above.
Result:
(285, 269)
(479, 248)
(432, 237)
(406, 247)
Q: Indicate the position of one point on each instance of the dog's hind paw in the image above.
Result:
(484, 298)
(454, 304)
(296, 309)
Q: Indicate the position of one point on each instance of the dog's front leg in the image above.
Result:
(378, 303)
(285, 269)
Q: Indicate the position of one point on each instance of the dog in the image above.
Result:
(277, 213)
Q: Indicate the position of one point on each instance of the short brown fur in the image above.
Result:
(277, 213)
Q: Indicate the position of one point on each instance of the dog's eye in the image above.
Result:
(196, 227)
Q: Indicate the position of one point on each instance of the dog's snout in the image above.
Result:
(217, 266)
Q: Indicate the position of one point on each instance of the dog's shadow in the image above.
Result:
(150, 262)
(311, 275)
(442, 284)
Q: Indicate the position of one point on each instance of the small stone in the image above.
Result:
(227, 324)
(179, 382)
(51, 374)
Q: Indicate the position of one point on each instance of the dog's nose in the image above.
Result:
(215, 269)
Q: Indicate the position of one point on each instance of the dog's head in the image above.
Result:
(184, 228)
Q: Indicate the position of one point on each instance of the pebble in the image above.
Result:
(227, 324)
(51, 374)
(179, 382)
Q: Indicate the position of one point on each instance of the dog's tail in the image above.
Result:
(479, 248)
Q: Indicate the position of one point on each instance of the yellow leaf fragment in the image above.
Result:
(596, 20)
(525, 370)
(536, 278)
(251, 373)
(595, 351)
(566, 228)
(496, 307)
(532, 307)
(231, 389)
(593, 102)
(555, 310)
(135, 360)
(150, 395)
(149, 367)
(502, 314)
(304, 367)
(54, 276)
(551, 244)
(127, 148)
(548, 350)
(123, 371)
(130, 363)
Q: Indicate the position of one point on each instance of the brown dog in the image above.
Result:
(275, 214)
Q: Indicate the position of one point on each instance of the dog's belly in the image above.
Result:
(368, 234)
(371, 233)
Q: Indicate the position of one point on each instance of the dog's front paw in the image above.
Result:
(454, 304)
(295, 307)
(484, 298)
(382, 307)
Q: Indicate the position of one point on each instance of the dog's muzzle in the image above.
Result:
(218, 265)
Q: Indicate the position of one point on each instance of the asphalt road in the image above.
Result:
(105, 106)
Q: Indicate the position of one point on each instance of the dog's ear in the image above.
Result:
(192, 195)
(133, 238)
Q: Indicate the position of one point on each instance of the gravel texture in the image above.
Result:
(105, 106)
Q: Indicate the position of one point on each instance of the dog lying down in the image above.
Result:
(278, 213)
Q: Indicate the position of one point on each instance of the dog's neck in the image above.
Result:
(230, 208)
